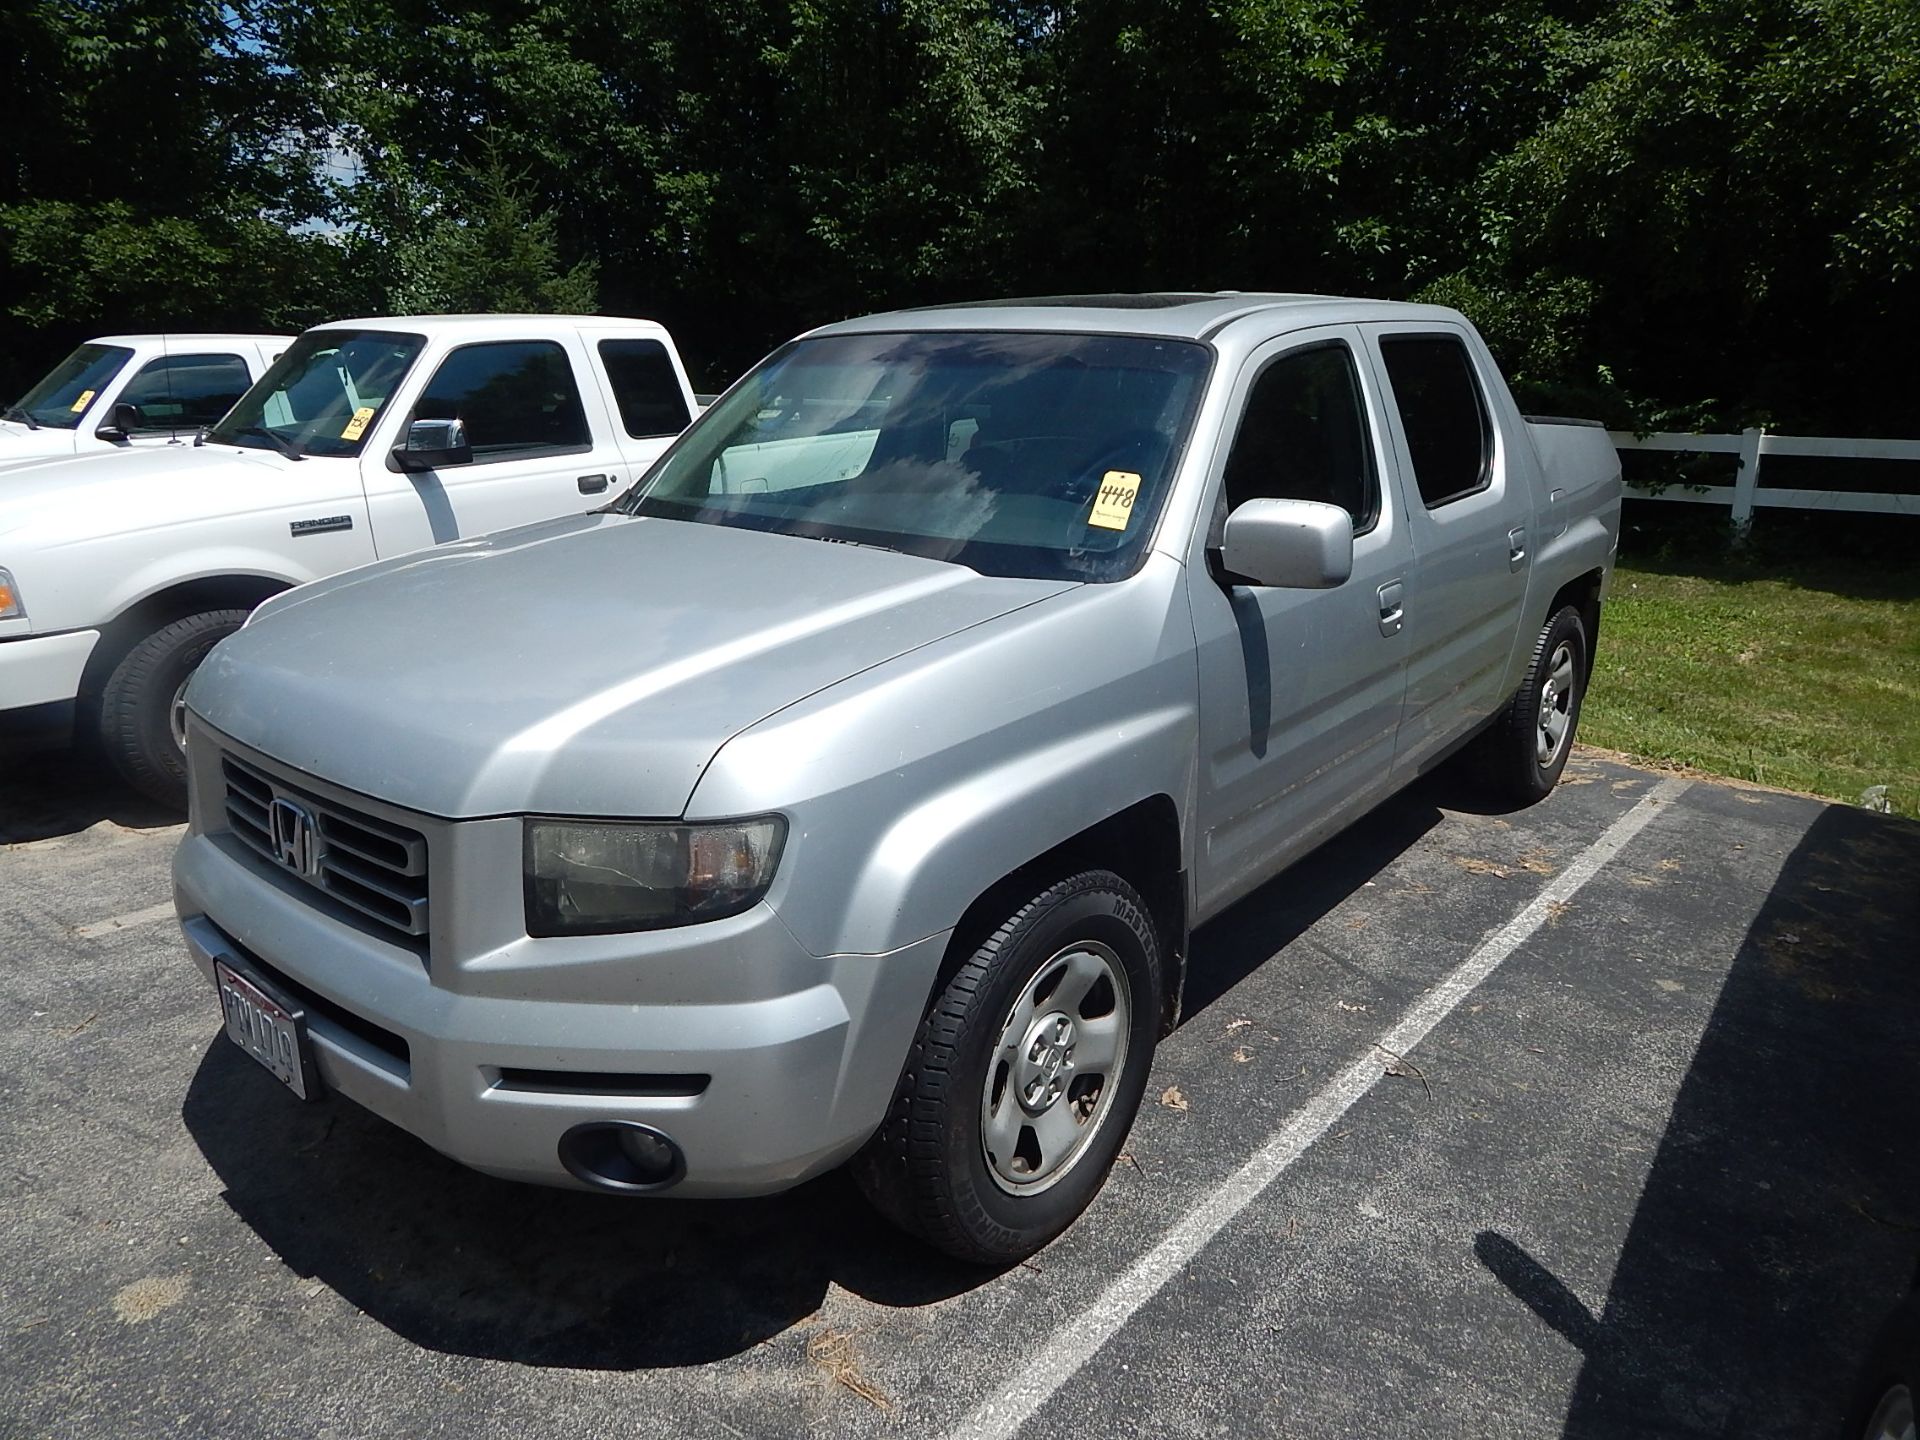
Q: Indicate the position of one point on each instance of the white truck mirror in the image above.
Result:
(434, 444)
(126, 420)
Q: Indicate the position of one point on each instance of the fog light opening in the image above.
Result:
(623, 1156)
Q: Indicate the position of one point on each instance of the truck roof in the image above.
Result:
(1176, 315)
(173, 339)
(433, 325)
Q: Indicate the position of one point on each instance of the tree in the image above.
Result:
(1701, 211)
(737, 169)
(1721, 215)
(495, 252)
(157, 174)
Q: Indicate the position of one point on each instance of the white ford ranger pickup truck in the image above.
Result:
(366, 439)
(128, 392)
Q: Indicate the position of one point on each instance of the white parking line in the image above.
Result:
(125, 922)
(1079, 1338)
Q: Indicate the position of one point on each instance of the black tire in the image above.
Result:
(136, 703)
(927, 1168)
(1890, 1381)
(1509, 752)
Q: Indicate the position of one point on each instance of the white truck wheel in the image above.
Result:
(140, 720)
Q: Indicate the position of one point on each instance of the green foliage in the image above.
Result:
(495, 252)
(109, 265)
(154, 169)
(1733, 180)
(1654, 209)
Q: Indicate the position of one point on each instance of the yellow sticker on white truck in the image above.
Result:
(357, 426)
(1113, 502)
(86, 398)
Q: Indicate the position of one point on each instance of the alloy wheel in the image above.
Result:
(1053, 1075)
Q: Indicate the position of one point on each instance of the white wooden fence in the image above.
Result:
(1752, 446)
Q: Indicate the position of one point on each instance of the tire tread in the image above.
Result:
(126, 718)
(1505, 751)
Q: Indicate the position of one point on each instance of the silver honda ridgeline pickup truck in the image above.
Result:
(848, 788)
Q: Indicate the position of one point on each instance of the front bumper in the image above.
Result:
(43, 669)
(766, 1065)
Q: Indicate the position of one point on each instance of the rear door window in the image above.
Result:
(1442, 413)
(517, 398)
(644, 384)
(184, 392)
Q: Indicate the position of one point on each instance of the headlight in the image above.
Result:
(589, 877)
(10, 606)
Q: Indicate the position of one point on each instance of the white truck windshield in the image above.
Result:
(61, 398)
(323, 396)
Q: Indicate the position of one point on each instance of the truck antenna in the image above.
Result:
(166, 369)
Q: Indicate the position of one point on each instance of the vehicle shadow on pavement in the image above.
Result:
(51, 793)
(462, 1263)
(1780, 1218)
(1249, 933)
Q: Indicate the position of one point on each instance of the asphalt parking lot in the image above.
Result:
(1597, 1119)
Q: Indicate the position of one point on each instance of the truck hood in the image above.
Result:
(586, 666)
(89, 496)
(19, 443)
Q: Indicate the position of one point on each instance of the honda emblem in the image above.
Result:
(296, 843)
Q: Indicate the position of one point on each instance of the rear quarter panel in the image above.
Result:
(1580, 516)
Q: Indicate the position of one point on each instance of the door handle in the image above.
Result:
(1516, 547)
(1391, 613)
(592, 484)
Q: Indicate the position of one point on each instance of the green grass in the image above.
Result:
(1801, 674)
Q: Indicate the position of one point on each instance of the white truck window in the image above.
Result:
(517, 398)
(646, 388)
(184, 392)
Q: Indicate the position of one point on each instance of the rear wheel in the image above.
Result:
(143, 703)
(1523, 752)
(1025, 1076)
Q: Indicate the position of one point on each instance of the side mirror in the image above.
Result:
(126, 420)
(1289, 544)
(433, 445)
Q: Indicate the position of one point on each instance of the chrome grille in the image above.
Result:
(372, 866)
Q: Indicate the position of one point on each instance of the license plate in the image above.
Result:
(268, 1027)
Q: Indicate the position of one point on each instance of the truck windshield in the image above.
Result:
(323, 396)
(1013, 453)
(70, 387)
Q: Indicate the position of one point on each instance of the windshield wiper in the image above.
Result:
(618, 505)
(15, 412)
(843, 540)
(274, 438)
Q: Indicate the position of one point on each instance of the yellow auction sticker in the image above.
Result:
(357, 426)
(86, 398)
(1113, 504)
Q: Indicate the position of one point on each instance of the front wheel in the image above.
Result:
(143, 703)
(1025, 1076)
(1523, 752)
